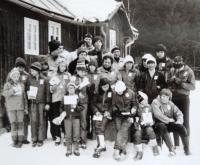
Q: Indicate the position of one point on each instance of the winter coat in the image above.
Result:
(102, 102)
(151, 85)
(72, 112)
(94, 79)
(130, 79)
(164, 64)
(184, 81)
(98, 54)
(72, 66)
(14, 101)
(58, 90)
(43, 94)
(123, 103)
(112, 75)
(164, 112)
(118, 65)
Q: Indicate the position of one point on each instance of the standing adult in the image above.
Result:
(118, 61)
(88, 39)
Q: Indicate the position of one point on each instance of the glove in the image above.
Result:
(178, 80)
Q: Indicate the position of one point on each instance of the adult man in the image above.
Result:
(118, 61)
(88, 40)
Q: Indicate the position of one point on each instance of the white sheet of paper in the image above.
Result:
(33, 92)
(41, 81)
(70, 100)
(147, 117)
(97, 118)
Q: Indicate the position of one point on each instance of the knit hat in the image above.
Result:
(20, 62)
(93, 62)
(161, 47)
(151, 60)
(80, 65)
(141, 96)
(36, 66)
(128, 58)
(88, 35)
(53, 45)
(103, 82)
(81, 50)
(97, 38)
(115, 48)
(71, 84)
(14, 72)
(166, 92)
(146, 56)
(120, 86)
(106, 56)
(178, 59)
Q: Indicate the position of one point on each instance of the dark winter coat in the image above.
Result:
(72, 66)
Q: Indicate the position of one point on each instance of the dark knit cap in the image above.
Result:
(166, 92)
(53, 45)
(108, 57)
(161, 47)
(88, 35)
(93, 62)
(103, 82)
(115, 48)
(20, 62)
(178, 59)
(36, 66)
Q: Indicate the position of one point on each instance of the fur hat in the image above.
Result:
(36, 66)
(166, 92)
(128, 58)
(20, 62)
(146, 56)
(115, 48)
(161, 47)
(178, 59)
(53, 45)
(141, 96)
(14, 72)
(120, 86)
(106, 56)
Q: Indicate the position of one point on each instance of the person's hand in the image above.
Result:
(133, 110)
(171, 120)
(178, 80)
(98, 114)
(130, 120)
(178, 122)
(47, 107)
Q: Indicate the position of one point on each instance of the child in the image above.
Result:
(82, 82)
(16, 104)
(124, 108)
(169, 119)
(57, 87)
(38, 96)
(71, 107)
(145, 114)
(101, 108)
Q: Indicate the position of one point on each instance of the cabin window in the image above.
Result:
(54, 31)
(31, 36)
(112, 38)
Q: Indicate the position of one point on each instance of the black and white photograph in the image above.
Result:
(99, 82)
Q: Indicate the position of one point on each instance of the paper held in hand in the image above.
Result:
(32, 93)
(98, 118)
(84, 83)
(70, 100)
(147, 118)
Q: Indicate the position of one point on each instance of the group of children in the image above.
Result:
(93, 90)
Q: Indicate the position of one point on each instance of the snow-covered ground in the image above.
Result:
(52, 155)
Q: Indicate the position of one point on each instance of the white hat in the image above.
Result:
(120, 87)
(151, 59)
(13, 72)
(146, 56)
(128, 58)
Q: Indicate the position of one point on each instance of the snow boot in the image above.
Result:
(69, 150)
(76, 149)
(58, 141)
(155, 151)
(185, 141)
(34, 144)
(116, 154)
(138, 156)
(40, 143)
(172, 152)
(97, 152)
(123, 155)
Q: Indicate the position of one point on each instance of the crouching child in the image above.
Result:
(143, 127)
(16, 105)
(169, 119)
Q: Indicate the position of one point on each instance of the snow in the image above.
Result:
(55, 155)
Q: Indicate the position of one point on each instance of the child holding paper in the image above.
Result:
(39, 98)
(16, 105)
(81, 80)
(71, 107)
(144, 126)
(101, 108)
(57, 87)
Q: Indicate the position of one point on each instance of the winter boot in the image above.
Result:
(40, 143)
(19, 145)
(76, 149)
(172, 152)
(69, 150)
(116, 154)
(97, 152)
(34, 144)
(155, 150)
(123, 155)
(185, 141)
(58, 141)
(138, 156)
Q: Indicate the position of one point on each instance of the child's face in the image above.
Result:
(82, 56)
(71, 89)
(107, 63)
(15, 78)
(62, 67)
(151, 65)
(164, 99)
(81, 73)
(92, 68)
(129, 65)
(21, 69)
(34, 72)
(105, 87)
(98, 44)
(160, 54)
